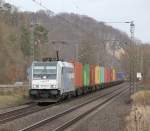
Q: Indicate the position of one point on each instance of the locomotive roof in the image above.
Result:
(52, 63)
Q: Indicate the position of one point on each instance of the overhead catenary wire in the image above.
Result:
(76, 6)
(62, 18)
(13, 4)
(76, 26)
(40, 4)
(52, 13)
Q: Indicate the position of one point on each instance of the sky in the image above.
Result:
(102, 10)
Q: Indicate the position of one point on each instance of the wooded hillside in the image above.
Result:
(75, 36)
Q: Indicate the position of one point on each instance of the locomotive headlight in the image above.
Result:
(35, 86)
(53, 86)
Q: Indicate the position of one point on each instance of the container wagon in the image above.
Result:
(52, 81)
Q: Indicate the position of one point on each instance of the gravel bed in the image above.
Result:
(35, 117)
(12, 108)
(110, 118)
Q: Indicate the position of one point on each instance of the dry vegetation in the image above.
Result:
(139, 117)
(13, 97)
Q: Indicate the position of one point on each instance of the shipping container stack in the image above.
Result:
(90, 76)
(97, 75)
(105, 74)
(120, 76)
(102, 76)
(86, 75)
(114, 75)
(78, 81)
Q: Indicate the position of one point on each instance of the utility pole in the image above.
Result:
(131, 56)
(132, 62)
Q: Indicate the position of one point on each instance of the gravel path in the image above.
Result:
(35, 117)
(110, 118)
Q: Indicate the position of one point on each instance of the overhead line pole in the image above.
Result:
(131, 58)
(132, 28)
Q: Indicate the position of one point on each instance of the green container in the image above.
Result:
(86, 75)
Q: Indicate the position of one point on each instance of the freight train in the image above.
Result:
(52, 81)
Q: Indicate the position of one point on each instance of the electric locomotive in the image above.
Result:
(51, 80)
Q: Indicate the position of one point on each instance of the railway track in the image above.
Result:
(68, 117)
(18, 113)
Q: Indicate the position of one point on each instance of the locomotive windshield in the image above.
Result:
(44, 70)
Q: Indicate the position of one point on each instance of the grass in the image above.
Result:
(13, 97)
(141, 97)
(144, 85)
(139, 117)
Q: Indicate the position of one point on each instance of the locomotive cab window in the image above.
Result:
(44, 71)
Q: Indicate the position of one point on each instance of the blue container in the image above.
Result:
(102, 74)
(120, 75)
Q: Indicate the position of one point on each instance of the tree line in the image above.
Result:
(25, 36)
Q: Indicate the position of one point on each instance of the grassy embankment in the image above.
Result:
(139, 117)
(13, 97)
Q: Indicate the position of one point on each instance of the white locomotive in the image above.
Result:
(51, 80)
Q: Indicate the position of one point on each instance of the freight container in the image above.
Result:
(97, 75)
(77, 74)
(92, 75)
(114, 75)
(101, 74)
(109, 74)
(120, 76)
(86, 75)
(106, 74)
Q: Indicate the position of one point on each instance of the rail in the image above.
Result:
(53, 120)
(13, 86)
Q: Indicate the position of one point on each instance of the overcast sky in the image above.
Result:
(101, 10)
